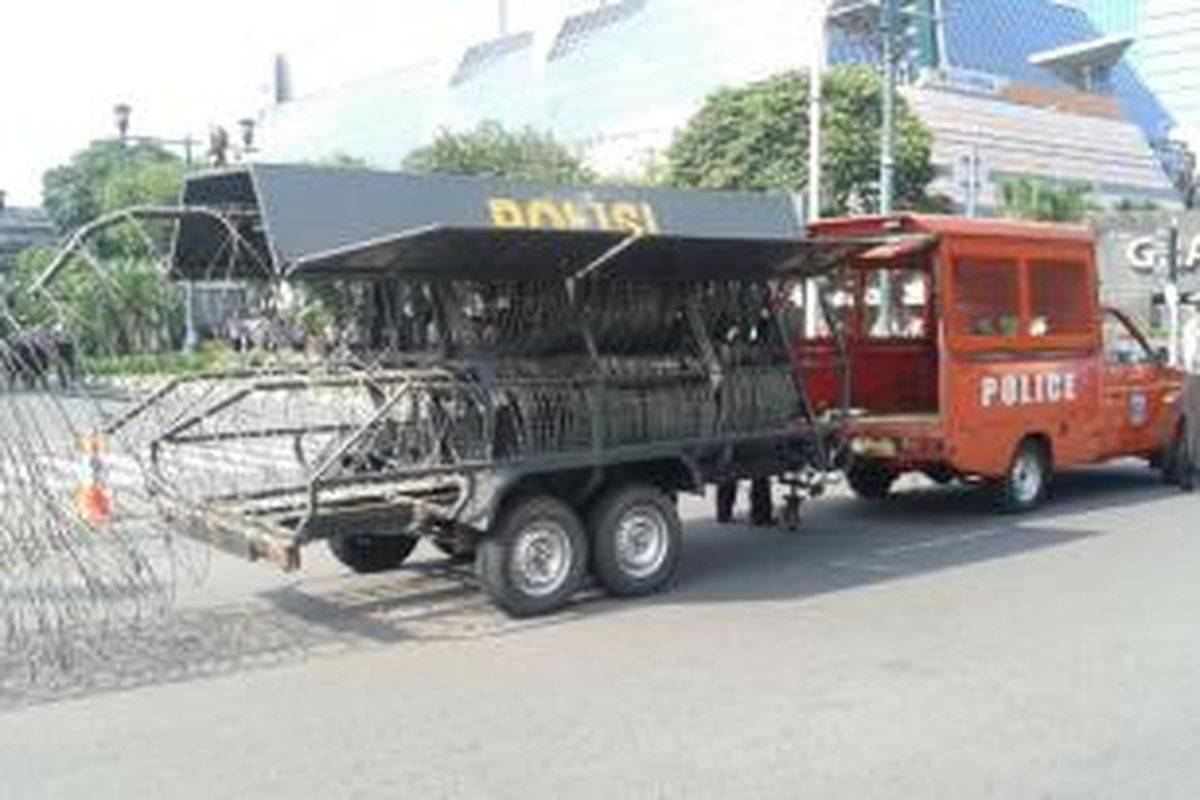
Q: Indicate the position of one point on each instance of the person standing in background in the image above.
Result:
(1190, 363)
(1190, 337)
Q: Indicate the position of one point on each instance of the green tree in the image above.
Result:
(756, 137)
(130, 307)
(1035, 199)
(122, 303)
(492, 150)
(106, 176)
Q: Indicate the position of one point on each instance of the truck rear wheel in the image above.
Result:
(535, 557)
(636, 540)
(1178, 462)
(371, 552)
(870, 481)
(1024, 485)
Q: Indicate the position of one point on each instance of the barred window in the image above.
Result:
(895, 301)
(986, 297)
(1059, 300)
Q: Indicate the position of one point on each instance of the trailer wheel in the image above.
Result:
(636, 540)
(1024, 485)
(535, 557)
(371, 552)
(870, 481)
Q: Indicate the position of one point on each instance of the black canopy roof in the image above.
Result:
(315, 223)
(506, 254)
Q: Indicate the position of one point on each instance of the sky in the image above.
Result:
(184, 67)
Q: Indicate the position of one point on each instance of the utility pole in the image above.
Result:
(815, 71)
(887, 146)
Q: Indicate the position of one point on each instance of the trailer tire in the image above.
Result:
(535, 557)
(1023, 486)
(636, 540)
(870, 481)
(366, 553)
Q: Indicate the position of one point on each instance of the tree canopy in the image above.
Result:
(99, 179)
(756, 137)
(106, 176)
(490, 149)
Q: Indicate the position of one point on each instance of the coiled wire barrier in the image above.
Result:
(118, 430)
(83, 550)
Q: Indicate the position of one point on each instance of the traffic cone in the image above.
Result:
(93, 501)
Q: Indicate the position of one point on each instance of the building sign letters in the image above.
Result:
(1144, 253)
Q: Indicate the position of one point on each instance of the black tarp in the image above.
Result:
(441, 253)
(310, 222)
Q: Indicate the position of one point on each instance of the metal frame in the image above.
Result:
(440, 483)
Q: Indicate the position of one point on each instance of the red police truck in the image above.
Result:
(979, 350)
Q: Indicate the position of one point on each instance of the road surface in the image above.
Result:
(918, 647)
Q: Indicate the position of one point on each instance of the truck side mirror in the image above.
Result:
(1162, 355)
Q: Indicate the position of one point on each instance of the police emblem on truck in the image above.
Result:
(1027, 389)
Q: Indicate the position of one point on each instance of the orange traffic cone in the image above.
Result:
(93, 502)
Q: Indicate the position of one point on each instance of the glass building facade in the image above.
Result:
(1166, 51)
(615, 80)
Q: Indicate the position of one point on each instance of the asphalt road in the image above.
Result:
(919, 647)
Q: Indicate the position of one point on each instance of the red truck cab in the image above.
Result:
(978, 349)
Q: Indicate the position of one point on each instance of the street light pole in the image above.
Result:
(121, 113)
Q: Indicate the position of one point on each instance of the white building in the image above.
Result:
(1010, 88)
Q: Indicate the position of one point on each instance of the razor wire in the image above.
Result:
(306, 404)
(83, 547)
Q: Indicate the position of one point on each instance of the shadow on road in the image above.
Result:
(844, 544)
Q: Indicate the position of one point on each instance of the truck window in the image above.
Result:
(1059, 298)
(895, 303)
(837, 293)
(985, 297)
(1121, 345)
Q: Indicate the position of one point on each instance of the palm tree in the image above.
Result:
(1032, 198)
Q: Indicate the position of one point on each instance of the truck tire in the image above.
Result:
(371, 552)
(1178, 462)
(535, 557)
(1023, 486)
(636, 540)
(870, 481)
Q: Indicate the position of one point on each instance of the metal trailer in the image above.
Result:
(540, 372)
